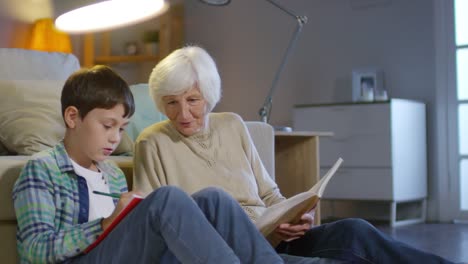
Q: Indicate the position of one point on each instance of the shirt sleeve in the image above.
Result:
(45, 233)
(268, 190)
(145, 164)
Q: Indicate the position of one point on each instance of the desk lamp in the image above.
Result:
(265, 111)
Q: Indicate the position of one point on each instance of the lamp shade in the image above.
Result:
(105, 15)
(45, 37)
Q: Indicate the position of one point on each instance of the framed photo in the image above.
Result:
(366, 83)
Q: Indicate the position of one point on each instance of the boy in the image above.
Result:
(59, 216)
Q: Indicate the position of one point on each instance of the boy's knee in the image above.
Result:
(167, 193)
(214, 196)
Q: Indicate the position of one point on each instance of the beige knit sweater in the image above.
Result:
(223, 155)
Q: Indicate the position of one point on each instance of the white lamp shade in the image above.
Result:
(110, 14)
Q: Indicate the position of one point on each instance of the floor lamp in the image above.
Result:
(265, 111)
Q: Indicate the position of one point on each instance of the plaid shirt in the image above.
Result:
(51, 204)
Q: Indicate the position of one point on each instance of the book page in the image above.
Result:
(320, 186)
(291, 210)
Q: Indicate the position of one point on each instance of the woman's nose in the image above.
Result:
(184, 110)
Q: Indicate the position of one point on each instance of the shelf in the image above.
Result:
(127, 58)
(171, 37)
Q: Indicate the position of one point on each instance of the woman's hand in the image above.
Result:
(124, 199)
(289, 232)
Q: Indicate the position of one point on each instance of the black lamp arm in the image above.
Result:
(287, 11)
(265, 111)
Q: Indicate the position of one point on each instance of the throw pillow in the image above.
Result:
(31, 118)
(125, 148)
(30, 115)
(146, 112)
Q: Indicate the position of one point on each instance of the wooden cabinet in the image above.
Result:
(297, 163)
(171, 36)
(384, 150)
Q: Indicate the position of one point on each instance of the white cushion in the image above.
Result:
(21, 64)
(146, 112)
(263, 136)
(30, 115)
(31, 118)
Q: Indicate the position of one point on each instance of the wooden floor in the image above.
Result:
(447, 240)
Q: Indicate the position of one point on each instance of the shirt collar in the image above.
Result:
(65, 165)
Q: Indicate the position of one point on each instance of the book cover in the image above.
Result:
(291, 210)
(134, 202)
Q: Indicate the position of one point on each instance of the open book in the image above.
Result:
(134, 202)
(291, 210)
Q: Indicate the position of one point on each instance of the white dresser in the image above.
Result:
(384, 150)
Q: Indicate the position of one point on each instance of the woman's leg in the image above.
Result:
(357, 241)
(168, 219)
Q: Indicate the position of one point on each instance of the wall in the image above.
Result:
(248, 38)
(16, 18)
(8, 39)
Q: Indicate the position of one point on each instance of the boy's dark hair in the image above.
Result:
(97, 87)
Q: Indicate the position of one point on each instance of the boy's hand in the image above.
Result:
(125, 198)
(289, 232)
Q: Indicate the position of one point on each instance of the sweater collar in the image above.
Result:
(202, 135)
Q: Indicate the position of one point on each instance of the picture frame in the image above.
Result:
(366, 84)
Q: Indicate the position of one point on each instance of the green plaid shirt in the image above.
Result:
(51, 204)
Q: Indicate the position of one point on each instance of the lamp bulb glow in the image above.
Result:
(109, 14)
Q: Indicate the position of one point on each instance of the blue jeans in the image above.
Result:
(355, 241)
(171, 227)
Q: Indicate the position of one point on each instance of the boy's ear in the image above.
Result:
(71, 116)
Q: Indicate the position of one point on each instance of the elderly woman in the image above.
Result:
(195, 149)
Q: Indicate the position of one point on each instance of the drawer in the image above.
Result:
(362, 133)
(359, 184)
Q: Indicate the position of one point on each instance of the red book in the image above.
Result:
(134, 202)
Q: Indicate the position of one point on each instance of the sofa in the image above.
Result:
(30, 120)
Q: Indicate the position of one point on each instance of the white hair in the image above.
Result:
(182, 70)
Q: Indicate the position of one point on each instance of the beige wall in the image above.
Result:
(13, 34)
(248, 38)
(16, 18)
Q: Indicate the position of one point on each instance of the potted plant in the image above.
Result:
(151, 40)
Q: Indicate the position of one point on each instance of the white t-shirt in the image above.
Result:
(99, 205)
